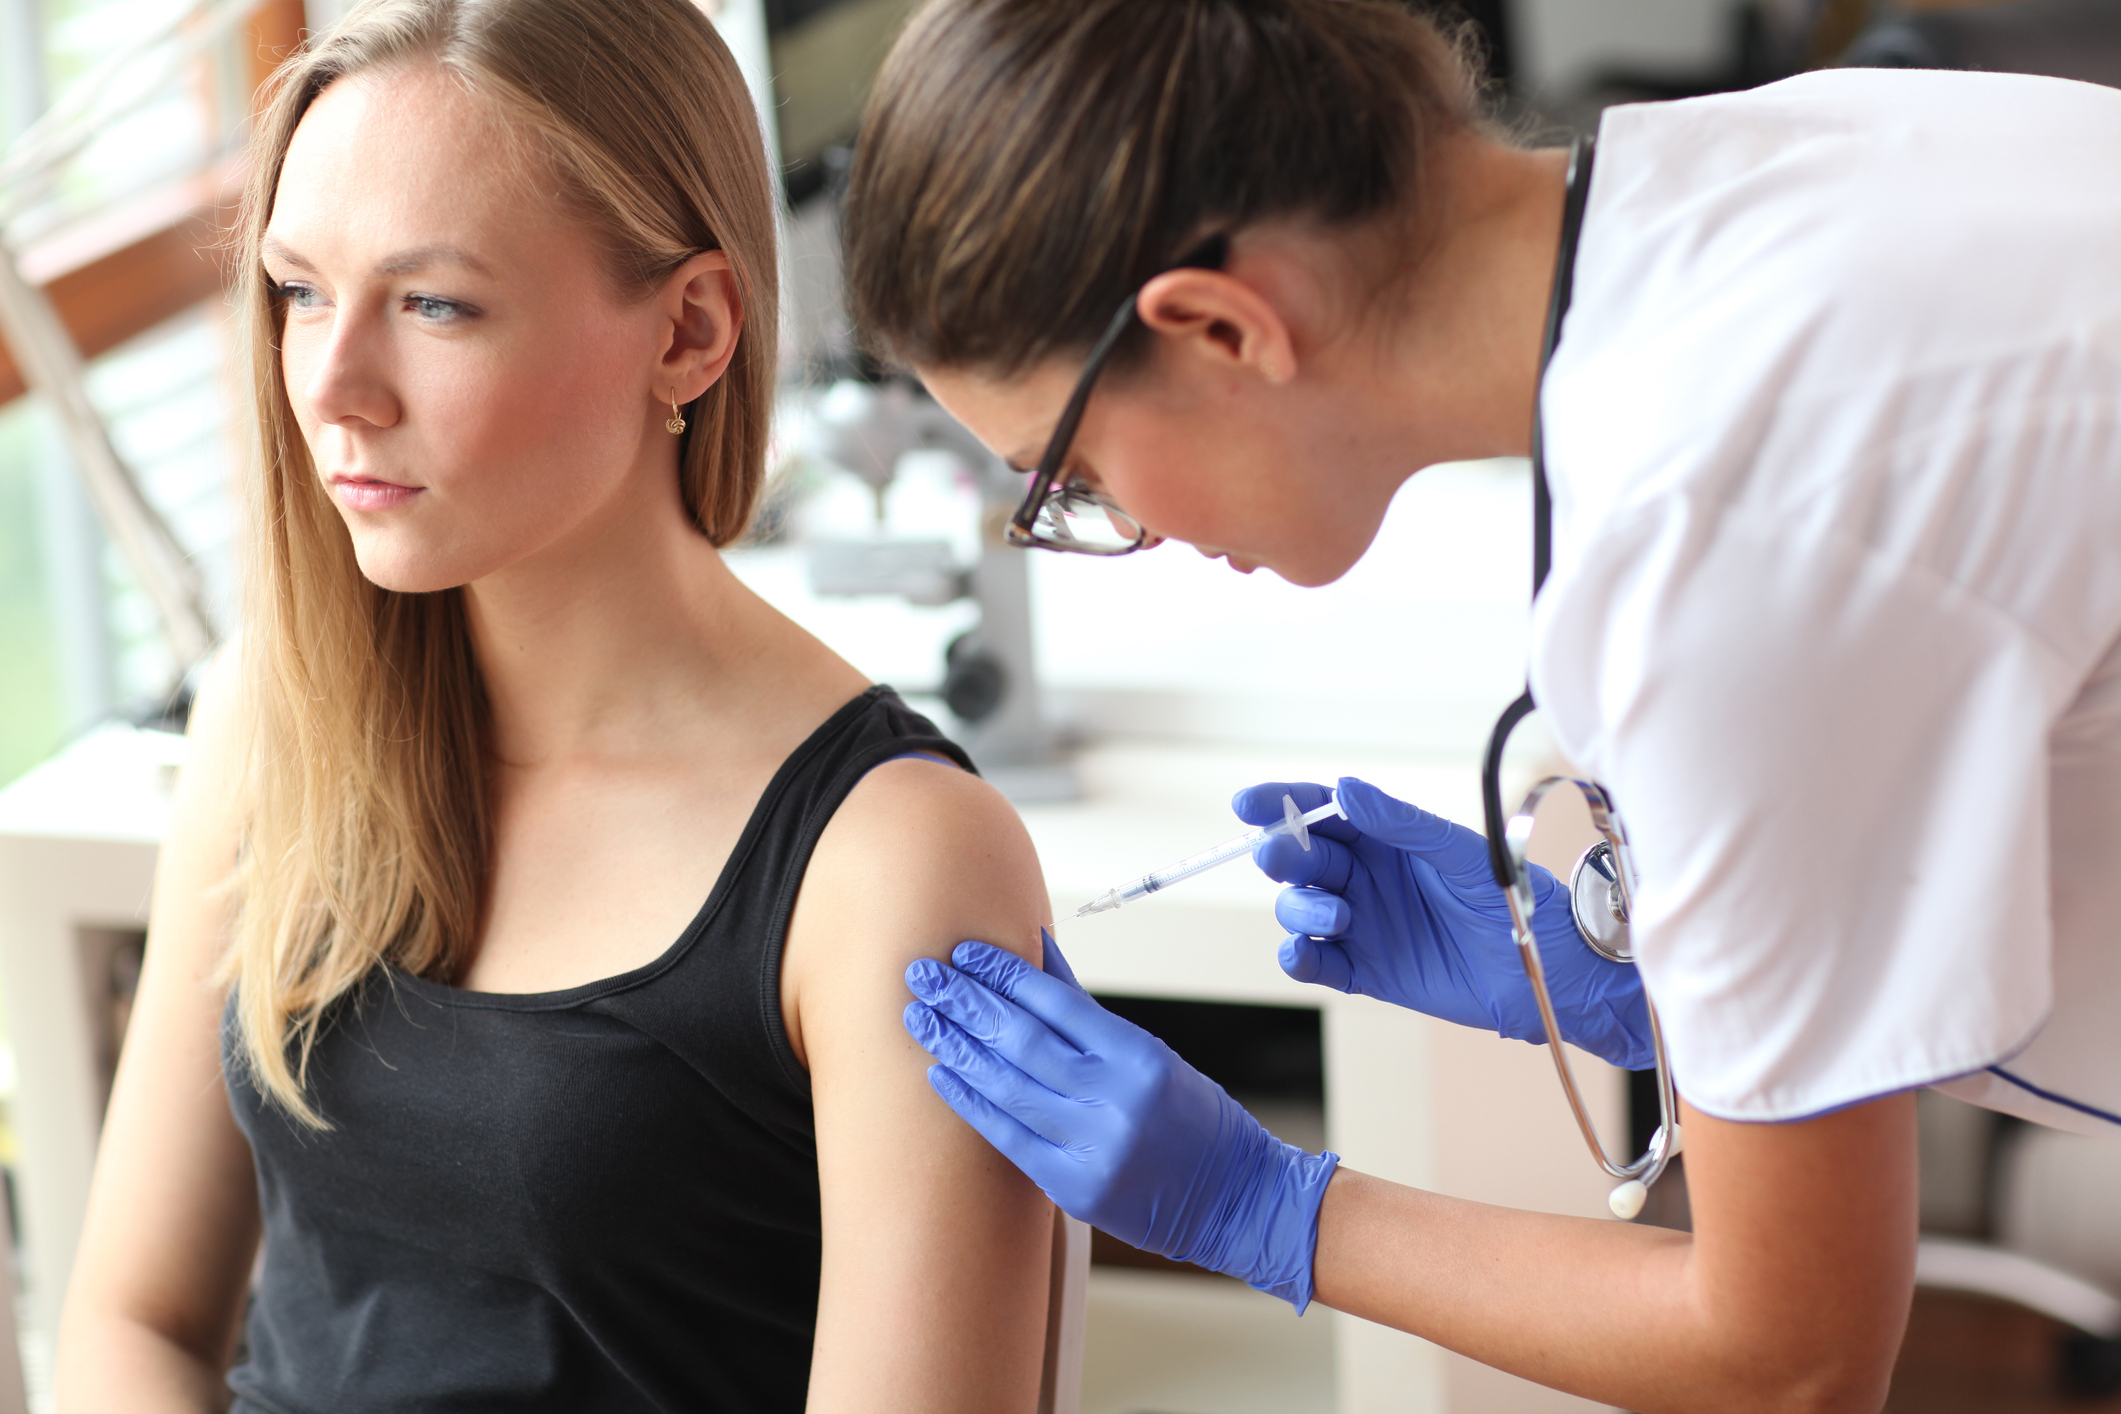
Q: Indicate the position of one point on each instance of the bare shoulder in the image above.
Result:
(912, 825)
(919, 858)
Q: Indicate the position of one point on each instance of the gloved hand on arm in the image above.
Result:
(1112, 1124)
(1401, 905)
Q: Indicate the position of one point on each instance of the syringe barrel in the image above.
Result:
(1198, 863)
(1293, 823)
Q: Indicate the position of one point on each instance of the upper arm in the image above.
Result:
(936, 1249)
(172, 1214)
(1803, 1257)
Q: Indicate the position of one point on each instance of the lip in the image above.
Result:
(366, 493)
(1235, 562)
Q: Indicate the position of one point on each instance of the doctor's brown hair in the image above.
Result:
(367, 824)
(1024, 164)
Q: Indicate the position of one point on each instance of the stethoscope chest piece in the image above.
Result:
(1600, 890)
(1600, 903)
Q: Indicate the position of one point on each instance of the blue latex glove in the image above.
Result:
(1107, 1119)
(1401, 905)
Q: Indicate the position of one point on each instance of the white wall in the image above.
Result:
(1561, 43)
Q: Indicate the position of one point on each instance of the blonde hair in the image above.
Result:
(367, 813)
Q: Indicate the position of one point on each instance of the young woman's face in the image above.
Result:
(472, 389)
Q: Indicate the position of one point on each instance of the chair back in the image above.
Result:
(1060, 1386)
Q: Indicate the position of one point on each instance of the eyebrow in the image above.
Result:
(409, 262)
(404, 262)
(279, 250)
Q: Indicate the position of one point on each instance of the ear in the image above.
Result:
(1220, 318)
(703, 312)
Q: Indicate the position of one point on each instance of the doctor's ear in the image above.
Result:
(1221, 318)
(705, 313)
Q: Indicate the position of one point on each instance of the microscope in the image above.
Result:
(990, 680)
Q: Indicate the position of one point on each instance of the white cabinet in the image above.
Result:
(78, 837)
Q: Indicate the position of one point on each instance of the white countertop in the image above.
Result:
(112, 783)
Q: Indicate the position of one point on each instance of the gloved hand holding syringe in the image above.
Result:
(1293, 822)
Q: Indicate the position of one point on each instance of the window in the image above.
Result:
(113, 235)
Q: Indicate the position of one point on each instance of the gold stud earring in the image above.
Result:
(677, 419)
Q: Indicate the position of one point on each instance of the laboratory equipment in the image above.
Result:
(990, 680)
(1293, 822)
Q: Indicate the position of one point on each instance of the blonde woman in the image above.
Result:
(526, 957)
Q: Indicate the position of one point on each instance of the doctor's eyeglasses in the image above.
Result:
(1061, 512)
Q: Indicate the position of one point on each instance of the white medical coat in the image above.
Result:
(1834, 435)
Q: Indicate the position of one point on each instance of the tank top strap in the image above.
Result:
(718, 1004)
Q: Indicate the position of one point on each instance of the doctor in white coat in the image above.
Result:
(1826, 383)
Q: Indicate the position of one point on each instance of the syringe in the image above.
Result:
(1293, 822)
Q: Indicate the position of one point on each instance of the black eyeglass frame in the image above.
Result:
(1047, 483)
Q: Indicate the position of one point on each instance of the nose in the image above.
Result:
(341, 379)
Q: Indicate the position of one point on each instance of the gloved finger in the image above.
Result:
(996, 1022)
(1023, 1098)
(935, 1033)
(1261, 805)
(1069, 1011)
(1308, 959)
(1313, 912)
(1326, 864)
(1055, 964)
(962, 999)
(1544, 886)
(1044, 1163)
(1456, 853)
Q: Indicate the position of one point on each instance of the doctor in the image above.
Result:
(1832, 425)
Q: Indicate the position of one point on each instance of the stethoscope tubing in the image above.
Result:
(1509, 840)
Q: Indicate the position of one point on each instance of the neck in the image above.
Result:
(614, 639)
(1462, 371)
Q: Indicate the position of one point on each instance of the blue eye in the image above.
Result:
(439, 311)
(299, 296)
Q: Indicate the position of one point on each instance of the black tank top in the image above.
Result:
(604, 1198)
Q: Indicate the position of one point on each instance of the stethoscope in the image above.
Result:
(1601, 886)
